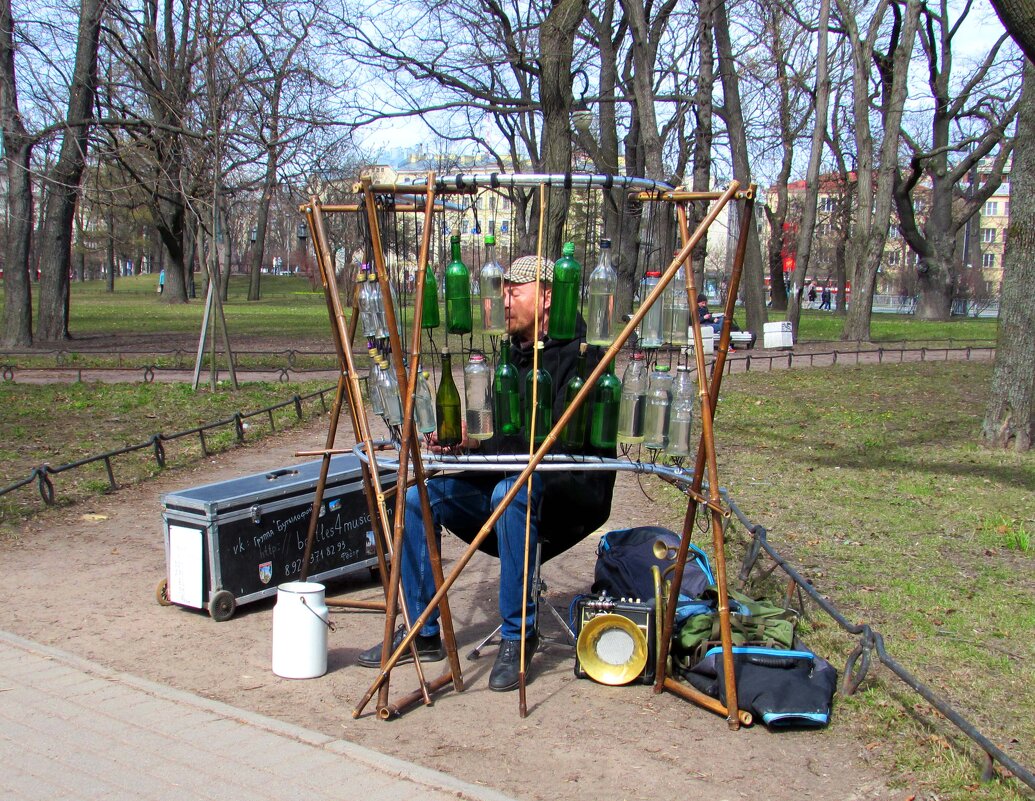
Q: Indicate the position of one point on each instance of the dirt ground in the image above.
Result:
(84, 580)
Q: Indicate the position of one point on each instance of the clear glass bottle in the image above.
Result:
(506, 394)
(564, 294)
(659, 406)
(429, 317)
(423, 405)
(377, 306)
(651, 335)
(490, 290)
(603, 283)
(574, 434)
(478, 391)
(447, 405)
(373, 380)
(390, 395)
(634, 401)
(541, 412)
(607, 400)
(676, 310)
(458, 292)
(367, 316)
(681, 420)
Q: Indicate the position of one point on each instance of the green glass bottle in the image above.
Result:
(458, 292)
(506, 394)
(429, 308)
(542, 411)
(607, 398)
(574, 434)
(564, 295)
(447, 405)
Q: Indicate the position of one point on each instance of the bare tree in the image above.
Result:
(968, 123)
(877, 163)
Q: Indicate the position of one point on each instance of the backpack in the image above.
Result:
(752, 622)
(625, 558)
(783, 688)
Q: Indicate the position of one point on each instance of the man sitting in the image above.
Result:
(566, 506)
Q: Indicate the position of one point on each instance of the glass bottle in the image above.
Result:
(574, 434)
(373, 380)
(490, 290)
(650, 325)
(506, 394)
(607, 400)
(478, 389)
(681, 420)
(603, 282)
(377, 306)
(447, 405)
(367, 319)
(390, 395)
(429, 308)
(423, 405)
(634, 400)
(541, 413)
(458, 292)
(676, 310)
(564, 295)
(659, 406)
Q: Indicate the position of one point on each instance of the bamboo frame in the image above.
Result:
(409, 446)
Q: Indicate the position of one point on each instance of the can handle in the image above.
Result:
(327, 623)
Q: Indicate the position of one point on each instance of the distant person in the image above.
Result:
(825, 298)
(704, 315)
(161, 281)
(812, 294)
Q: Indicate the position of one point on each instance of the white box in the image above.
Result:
(778, 335)
(707, 340)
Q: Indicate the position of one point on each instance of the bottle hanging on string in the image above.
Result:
(607, 400)
(564, 294)
(659, 405)
(373, 380)
(681, 420)
(634, 400)
(650, 325)
(377, 305)
(506, 394)
(390, 394)
(490, 290)
(423, 405)
(458, 292)
(541, 412)
(429, 307)
(367, 317)
(676, 317)
(447, 405)
(478, 390)
(574, 434)
(603, 283)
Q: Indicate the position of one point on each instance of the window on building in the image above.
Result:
(893, 257)
(894, 233)
(827, 204)
(991, 208)
(988, 235)
(988, 261)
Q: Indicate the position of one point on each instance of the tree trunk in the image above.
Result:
(752, 285)
(65, 177)
(1010, 414)
(17, 329)
(703, 106)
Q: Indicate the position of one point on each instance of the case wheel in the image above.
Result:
(221, 606)
(162, 593)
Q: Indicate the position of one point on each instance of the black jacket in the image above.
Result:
(575, 503)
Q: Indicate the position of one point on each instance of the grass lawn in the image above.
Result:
(870, 479)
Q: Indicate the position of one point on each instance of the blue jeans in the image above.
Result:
(463, 504)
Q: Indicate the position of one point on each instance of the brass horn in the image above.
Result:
(663, 551)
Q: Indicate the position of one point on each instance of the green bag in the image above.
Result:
(752, 622)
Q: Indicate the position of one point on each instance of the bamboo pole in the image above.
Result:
(547, 444)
